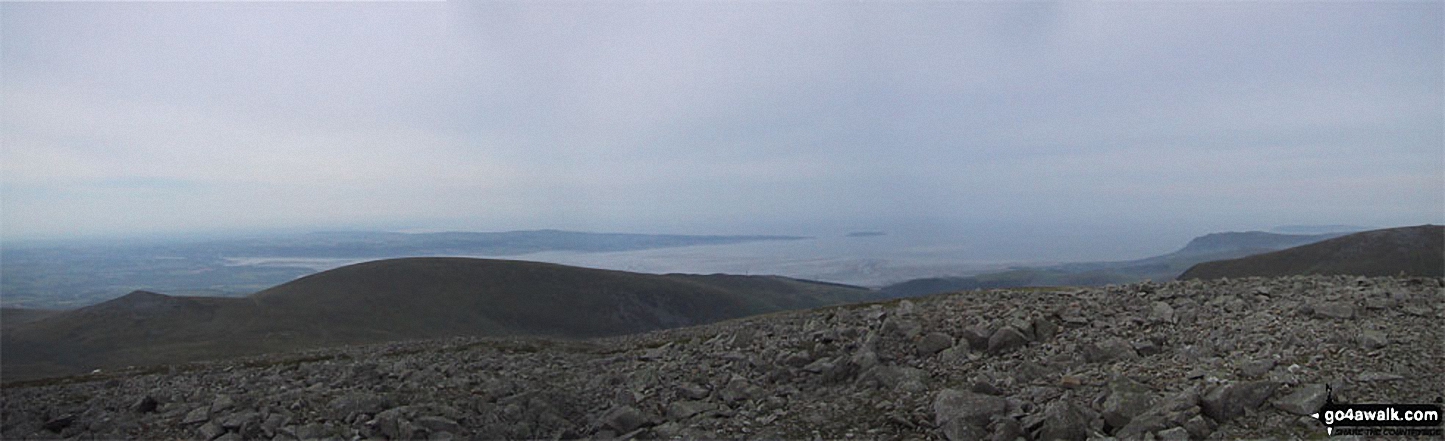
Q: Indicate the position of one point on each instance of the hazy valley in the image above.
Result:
(49, 276)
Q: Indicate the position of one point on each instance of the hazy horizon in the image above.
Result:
(1072, 131)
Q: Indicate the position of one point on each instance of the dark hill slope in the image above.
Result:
(396, 299)
(10, 317)
(1417, 251)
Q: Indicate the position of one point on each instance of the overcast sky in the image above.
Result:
(728, 117)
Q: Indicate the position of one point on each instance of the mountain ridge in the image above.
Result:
(1212, 246)
(1418, 251)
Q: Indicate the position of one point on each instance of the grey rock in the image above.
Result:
(737, 389)
(1070, 382)
(1338, 310)
(1044, 329)
(58, 424)
(1199, 427)
(1257, 368)
(241, 419)
(952, 405)
(934, 342)
(1127, 399)
(1139, 427)
(819, 366)
(1373, 339)
(1379, 303)
(1378, 376)
(960, 430)
(1026, 327)
(1196, 353)
(1110, 350)
(742, 338)
(865, 358)
(222, 403)
(654, 354)
(359, 402)
(1228, 401)
(1173, 434)
(145, 404)
(909, 328)
(906, 308)
(1303, 400)
(908, 379)
(1028, 371)
(273, 423)
(197, 415)
(837, 371)
(1006, 429)
(797, 358)
(957, 354)
(313, 431)
(230, 436)
(1171, 410)
(985, 387)
(210, 431)
(668, 430)
(692, 391)
(1006, 339)
(680, 410)
(1160, 312)
(438, 424)
(623, 419)
(441, 436)
(392, 423)
(977, 338)
(1073, 315)
(1179, 401)
(1146, 348)
(1063, 421)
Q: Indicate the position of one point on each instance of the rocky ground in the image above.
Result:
(1180, 360)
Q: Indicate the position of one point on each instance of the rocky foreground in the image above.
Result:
(1181, 360)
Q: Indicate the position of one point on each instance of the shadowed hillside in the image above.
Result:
(1416, 251)
(392, 300)
(11, 317)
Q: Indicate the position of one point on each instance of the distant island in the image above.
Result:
(867, 234)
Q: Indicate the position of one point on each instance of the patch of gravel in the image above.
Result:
(1181, 360)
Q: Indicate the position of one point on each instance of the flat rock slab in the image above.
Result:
(1229, 401)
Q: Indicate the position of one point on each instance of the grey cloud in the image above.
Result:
(651, 115)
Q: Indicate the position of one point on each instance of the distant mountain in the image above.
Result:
(1248, 242)
(1416, 251)
(396, 299)
(509, 243)
(1205, 248)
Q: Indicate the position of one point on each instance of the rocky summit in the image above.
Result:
(1217, 359)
